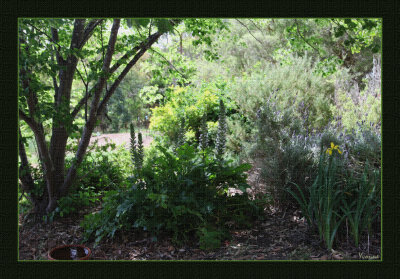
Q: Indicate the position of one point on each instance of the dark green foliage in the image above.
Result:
(178, 194)
(72, 203)
(209, 239)
(102, 169)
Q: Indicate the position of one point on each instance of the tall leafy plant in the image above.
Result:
(221, 135)
(203, 139)
(132, 142)
(136, 150)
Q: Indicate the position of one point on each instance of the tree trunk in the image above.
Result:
(53, 157)
(93, 113)
(25, 176)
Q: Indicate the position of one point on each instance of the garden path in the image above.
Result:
(120, 138)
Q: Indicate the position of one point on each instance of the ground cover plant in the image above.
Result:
(237, 138)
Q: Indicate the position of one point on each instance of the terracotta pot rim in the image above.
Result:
(69, 245)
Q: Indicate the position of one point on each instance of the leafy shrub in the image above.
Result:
(103, 168)
(354, 105)
(284, 153)
(190, 104)
(289, 152)
(72, 203)
(293, 85)
(180, 194)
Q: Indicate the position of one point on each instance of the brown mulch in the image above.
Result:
(283, 235)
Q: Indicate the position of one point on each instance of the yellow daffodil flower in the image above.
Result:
(333, 147)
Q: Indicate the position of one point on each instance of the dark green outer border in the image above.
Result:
(388, 268)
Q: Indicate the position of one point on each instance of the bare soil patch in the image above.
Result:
(118, 139)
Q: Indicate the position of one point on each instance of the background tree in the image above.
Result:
(54, 55)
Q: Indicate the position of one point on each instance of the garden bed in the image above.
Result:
(283, 235)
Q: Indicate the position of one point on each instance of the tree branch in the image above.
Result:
(170, 64)
(256, 26)
(44, 154)
(31, 123)
(60, 60)
(43, 33)
(31, 98)
(86, 92)
(25, 174)
(54, 77)
(77, 34)
(82, 102)
(80, 75)
(125, 57)
(249, 31)
(298, 32)
(144, 47)
(90, 124)
(89, 31)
